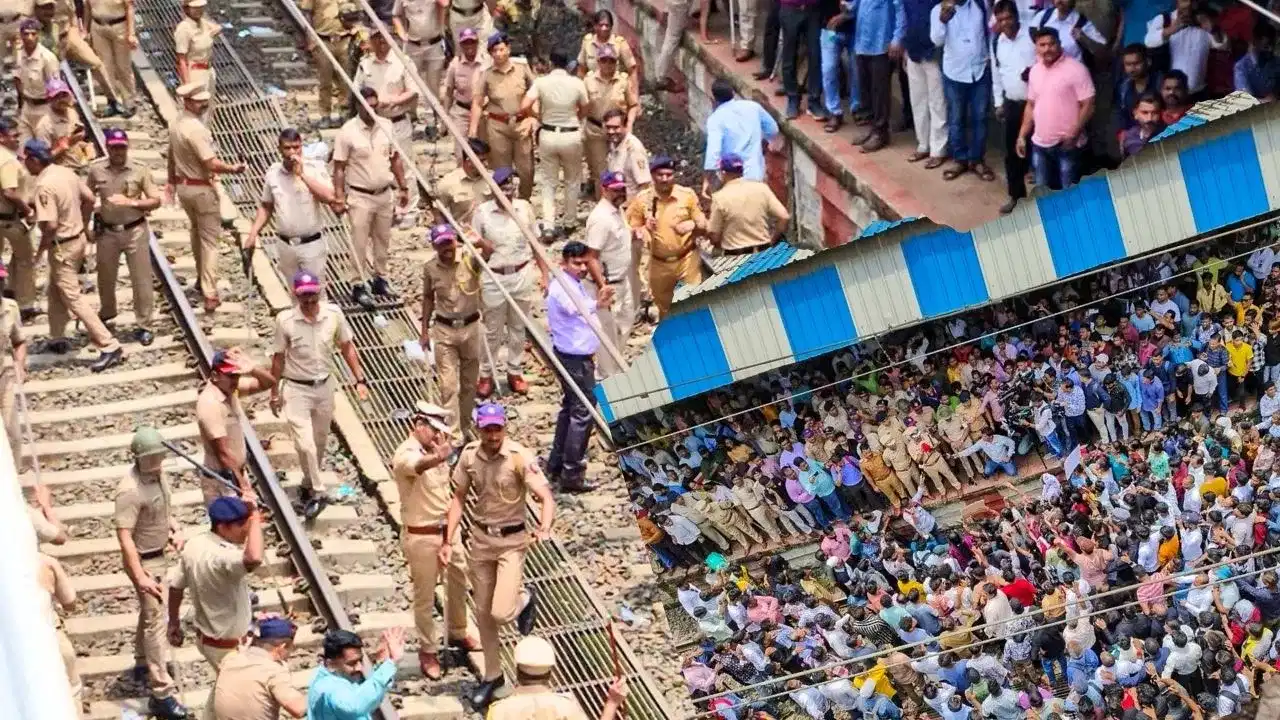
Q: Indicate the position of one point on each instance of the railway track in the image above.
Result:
(82, 425)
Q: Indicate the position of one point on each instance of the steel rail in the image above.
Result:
(325, 600)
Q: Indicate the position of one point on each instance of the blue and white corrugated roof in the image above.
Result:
(1203, 113)
(729, 269)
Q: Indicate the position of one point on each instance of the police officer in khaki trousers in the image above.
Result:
(451, 325)
(306, 337)
(470, 15)
(420, 466)
(533, 697)
(496, 99)
(608, 88)
(460, 80)
(501, 472)
(192, 169)
(608, 237)
(561, 101)
(326, 19)
(397, 96)
(15, 211)
(62, 200)
(145, 527)
(193, 40)
(114, 36)
(421, 25)
(127, 194)
(37, 65)
(294, 192)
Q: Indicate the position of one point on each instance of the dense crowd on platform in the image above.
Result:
(1154, 381)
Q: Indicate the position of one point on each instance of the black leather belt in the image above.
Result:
(597, 123)
(467, 12)
(318, 382)
(299, 240)
(110, 21)
(151, 555)
(10, 217)
(428, 41)
(461, 104)
(456, 322)
(35, 101)
(69, 238)
(500, 530)
(561, 128)
(125, 226)
(398, 118)
(367, 191)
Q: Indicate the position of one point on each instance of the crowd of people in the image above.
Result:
(1139, 581)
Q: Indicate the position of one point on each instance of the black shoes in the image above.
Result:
(167, 709)
(484, 692)
(381, 287)
(529, 613)
(108, 360)
(360, 295)
(312, 504)
(144, 336)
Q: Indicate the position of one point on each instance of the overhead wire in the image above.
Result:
(945, 348)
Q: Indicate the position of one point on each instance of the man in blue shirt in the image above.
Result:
(737, 127)
(339, 690)
(1258, 70)
(878, 30)
(575, 345)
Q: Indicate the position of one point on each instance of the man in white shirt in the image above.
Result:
(1190, 38)
(1080, 38)
(998, 450)
(960, 29)
(1162, 305)
(1012, 54)
(294, 192)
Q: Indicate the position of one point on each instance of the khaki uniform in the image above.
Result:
(191, 145)
(218, 416)
(308, 389)
(686, 507)
(124, 232)
(501, 483)
(11, 14)
(424, 501)
(14, 231)
(604, 95)
(109, 33)
(883, 478)
(955, 430)
(610, 236)
(673, 258)
(456, 88)
(299, 219)
(11, 335)
(590, 50)
(750, 496)
(452, 293)
(65, 130)
(923, 449)
(896, 455)
(471, 14)
(54, 581)
(512, 261)
(461, 193)
(143, 507)
(741, 211)
(325, 18)
(366, 150)
(510, 140)
(630, 158)
(73, 47)
(390, 77)
(723, 518)
(559, 95)
(535, 702)
(424, 24)
(213, 573)
(59, 193)
(33, 71)
(251, 686)
(195, 41)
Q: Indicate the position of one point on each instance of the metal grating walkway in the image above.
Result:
(245, 124)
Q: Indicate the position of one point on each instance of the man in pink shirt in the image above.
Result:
(836, 543)
(1060, 99)
(763, 607)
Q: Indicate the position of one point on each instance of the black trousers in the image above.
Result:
(1015, 168)
(772, 34)
(874, 86)
(568, 461)
(801, 25)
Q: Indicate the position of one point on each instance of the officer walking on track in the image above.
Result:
(145, 527)
(495, 100)
(13, 367)
(62, 202)
(421, 25)
(501, 472)
(254, 681)
(460, 80)
(421, 471)
(294, 192)
(307, 335)
(37, 65)
(450, 324)
(192, 166)
(15, 196)
(608, 240)
(575, 346)
(326, 19)
(193, 40)
(561, 101)
(533, 697)
(127, 193)
(114, 36)
(397, 95)
(215, 568)
(231, 377)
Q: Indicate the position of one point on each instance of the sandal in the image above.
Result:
(955, 171)
(934, 162)
(984, 172)
(917, 156)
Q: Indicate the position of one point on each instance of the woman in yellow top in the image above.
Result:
(602, 34)
(193, 40)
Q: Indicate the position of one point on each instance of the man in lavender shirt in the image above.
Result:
(575, 344)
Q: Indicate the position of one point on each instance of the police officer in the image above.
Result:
(601, 36)
(306, 337)
(746, 217)
(496, 98)
(12, 13)
(460, 80)
(397, 96)
(113, 34)
(501, 472)
(13, 368)
(15, 210)
(65, 27)
(61, 128)
(325, 17)
(365, 167)
(470, 15)
(192, 166)
(215, 567)
(561, 100)
(667, 218)
(232, 376)
(145, 527)
(127, 194)
(607, 89)
(450, 324)
(62, 201)
(254, 681)
(193, 40)
(508, 254)
(535, 659)
(294, 192)
(421, 25)
(464, 187)
(608, 239)
(421, 471)
(37, 65)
